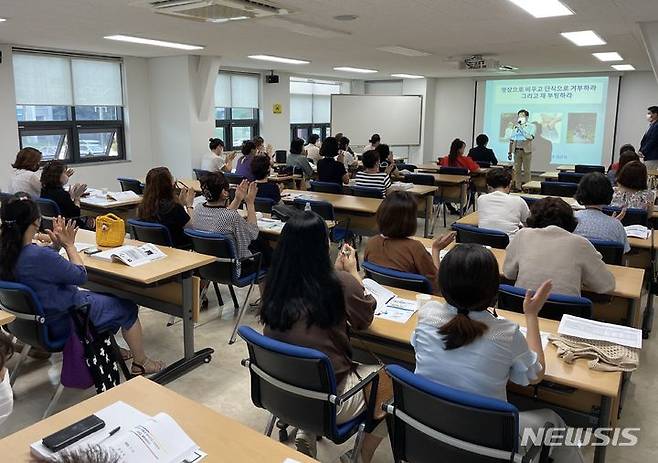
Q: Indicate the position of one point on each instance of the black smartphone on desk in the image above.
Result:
(73, 433)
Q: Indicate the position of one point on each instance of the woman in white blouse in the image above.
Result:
(461, 344)
(25, 177)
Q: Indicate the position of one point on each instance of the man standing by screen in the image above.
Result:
(649, 144)
(520, 146)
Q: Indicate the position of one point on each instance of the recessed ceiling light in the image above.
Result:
(608, 56)
(544, 8)
(624, 67)
(278, 59)
(403, 51)
(157, 43)
(346, 17)
(357, 70)
(408, 76)
(584, 38)
(2, 20)
(225, 20)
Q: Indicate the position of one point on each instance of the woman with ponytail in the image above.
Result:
(457, 157)
(462, 344)
(55, 280)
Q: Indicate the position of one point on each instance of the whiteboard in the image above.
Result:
(397, 118)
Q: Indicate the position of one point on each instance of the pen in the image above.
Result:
(112, 432)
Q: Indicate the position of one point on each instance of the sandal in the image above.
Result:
(125, 354)
(148, 368)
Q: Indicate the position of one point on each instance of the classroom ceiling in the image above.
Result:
(445, 28)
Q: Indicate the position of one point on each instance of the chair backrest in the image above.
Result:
(611, 251)
(403, 280)
(564, 189)
(322, 208)
(150, 232)
(220, 246)
(419, 179)
(5, 197)
(200, 173)
(484, 236)
(483, 164)
(234, 179)
(131, 184)
(281, 372)
(529, 201)
(633, 216)
(48, 208)
(264, 205)
(31, 323)
(453, 170)
(511, 298)
(586, 169)
(430, 419)
(367, 192)
(570, 177)
(409, 167)
(280, 156)
(326, 187)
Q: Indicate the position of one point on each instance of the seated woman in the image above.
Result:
(6, 394)
(53, 178)
(312, 148)
(349, 160)
(329, 169)
(55, 280)
(594, 192)
(548, 250)
(626, 154)
(480, 153)
(456, 158)
(25, 177)
(395, 247)
(215, 160)
(500, 210)
(216, 216)
(243, 167)
(161, 204)
(262, 148)
(632, 189)
(260, 166)
(461, 344)
(315, 311)
(371, 177)
(386, 160)
(297, 158)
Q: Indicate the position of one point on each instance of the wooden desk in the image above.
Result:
(566, 168)
(550, 176)
(591, 388)
(167, 286)
(533, 185)
(5, 318)
(222, 438)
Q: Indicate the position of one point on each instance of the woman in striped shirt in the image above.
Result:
(371, 177)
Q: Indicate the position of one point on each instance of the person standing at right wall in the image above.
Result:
(649, 144)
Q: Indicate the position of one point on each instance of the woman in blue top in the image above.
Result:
(243, 167)
(55, 280)
(461, 344)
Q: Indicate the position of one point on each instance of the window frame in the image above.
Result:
(229, 123)
(325, 129)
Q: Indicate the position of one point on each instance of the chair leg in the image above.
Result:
(270, 426)
(21, 359)
(219, 295)
(358, 442)
(236, 306)
(238, 319)
(53, 401)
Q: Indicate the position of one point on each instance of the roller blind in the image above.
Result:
(321, 109)
(236, 90)
(383, 87)
(96, 83)
(310, 102)
(301, 109)
(42, 80)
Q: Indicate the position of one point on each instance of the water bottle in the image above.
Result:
(307, 208)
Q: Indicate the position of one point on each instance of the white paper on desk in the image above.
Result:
(402, 186)
(600, 331)
(637, 231)
(78, 247)
(269, 224)
(382, 295)
(542, 334)
(397, 310)
(122, 195)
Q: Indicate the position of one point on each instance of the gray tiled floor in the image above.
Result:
(223, 385)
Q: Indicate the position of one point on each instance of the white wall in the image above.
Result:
(275, 128)
(453, 114)
(8, 127)
(637, 91)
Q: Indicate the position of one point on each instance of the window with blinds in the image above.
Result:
(310, 107)
(68, 107)
(236, 107)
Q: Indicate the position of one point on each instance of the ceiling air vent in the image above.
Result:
(214, 11)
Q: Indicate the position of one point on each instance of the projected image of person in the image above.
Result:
(581, 128)
(520, 148)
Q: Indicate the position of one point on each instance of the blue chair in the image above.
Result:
(5, 197)
(264, 205)
(367, 192)
(586, 169)
(131, 184)
(409, 167)
(570, 177)
(511, 298)
(326, 187)
(49, 210)
(427, 420)
(340, 233)
(611, 251)
(484, 236)
(403, 280)
(419, 179)
(634, 216)
(200, 173)
(483, 164)
(529, 201)
(233, 179)
(224, 269)
(298, 387)
(453, 170)
(150, 232)
(563, 189)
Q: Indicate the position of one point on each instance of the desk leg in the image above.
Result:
(429, 203)
(191, 359)
(604, 422)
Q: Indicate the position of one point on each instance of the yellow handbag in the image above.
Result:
(110, 230)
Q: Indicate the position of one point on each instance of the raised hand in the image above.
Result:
(533, 303)
(444, 240)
